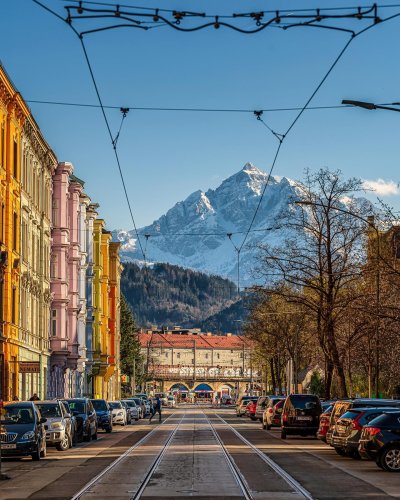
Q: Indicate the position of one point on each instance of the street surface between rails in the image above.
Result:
(197, 451)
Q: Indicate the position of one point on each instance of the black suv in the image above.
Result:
(23, 431)
(104, 414)
(380, 441)
(300, 415)
(86, 419)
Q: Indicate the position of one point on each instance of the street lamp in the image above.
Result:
(370, 105)
(370, 223)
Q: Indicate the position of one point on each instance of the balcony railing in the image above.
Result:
(175, 372)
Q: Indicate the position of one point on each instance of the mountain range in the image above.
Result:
(205, 231)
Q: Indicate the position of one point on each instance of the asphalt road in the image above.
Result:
(196, 454)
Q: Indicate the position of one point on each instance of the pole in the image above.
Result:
(378, 312)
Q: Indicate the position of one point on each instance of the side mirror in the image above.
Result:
(67, 415)
(42, 420)
(75, 413)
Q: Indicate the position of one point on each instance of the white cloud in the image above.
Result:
(382, 187)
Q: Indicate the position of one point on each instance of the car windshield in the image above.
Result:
(351, 415)
(99, 404)
(78, 406)
(304, 402)
(115, 405)
(17, 415)
(137, 401)
(170, 398)
(131, 404)
(49, 410)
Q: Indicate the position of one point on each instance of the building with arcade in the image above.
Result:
(192, 363)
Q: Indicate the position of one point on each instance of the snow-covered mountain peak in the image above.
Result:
(193, 233)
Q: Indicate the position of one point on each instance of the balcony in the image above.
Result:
(176, 372)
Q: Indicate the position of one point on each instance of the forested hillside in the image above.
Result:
(166, 295)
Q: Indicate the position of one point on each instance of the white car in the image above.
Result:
(119, 415)
(171, 403)
(133, 409)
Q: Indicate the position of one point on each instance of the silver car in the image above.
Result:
(58, 425)
(133, 409)
(119, 414)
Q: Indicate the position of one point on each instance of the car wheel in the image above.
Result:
(340, 451)
(43, 453)
(86, 438)
(390, 458)
(94, 437)
(268, 427)
(264, 426)
(36, 455)
(63, 445)
(354, 455)
(109, 429)
(253, 418)
(283, 434)
(136, 419)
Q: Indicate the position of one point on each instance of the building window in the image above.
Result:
(15, 231)
(178, 355)
(54, 322)
(218, 355)
(3, 145)
(2, 211)
(14, 305)
(206, 355)
(15, 159)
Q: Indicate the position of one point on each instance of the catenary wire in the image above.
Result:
(330, 69)
(280, 137)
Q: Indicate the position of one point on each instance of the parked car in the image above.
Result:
(140, 404)
(380, 441)
(86, 418)
(347, 430)
(119, 414)
(103, 414)
(23, 431)
(226, 400)
(132, 408)
(163, 396)
(324, 423)
(127, 411)
(250, 410)
(300, 415)
(58, 424)
(171, 403)
(272, 412)
(74, 423)
(342, 406)
(242, 403)
(260, 407)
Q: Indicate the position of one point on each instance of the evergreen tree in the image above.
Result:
(131, 359)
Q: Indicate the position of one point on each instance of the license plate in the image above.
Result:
(8, 446)
(304, 418)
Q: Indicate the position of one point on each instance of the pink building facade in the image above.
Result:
(65, 262)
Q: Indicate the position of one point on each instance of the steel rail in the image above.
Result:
(96, 479)
(232, 465)
(156, 462)
(277, 468)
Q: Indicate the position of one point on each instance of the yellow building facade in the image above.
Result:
(13, 113)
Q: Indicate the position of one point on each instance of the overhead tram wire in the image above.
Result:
(113, 139)
(353, 36)
(303, 20)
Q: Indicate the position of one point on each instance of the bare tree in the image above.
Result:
(321, 258)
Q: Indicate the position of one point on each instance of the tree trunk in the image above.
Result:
(273, 379)
(328, 378)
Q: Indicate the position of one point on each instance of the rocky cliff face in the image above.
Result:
(194, 233)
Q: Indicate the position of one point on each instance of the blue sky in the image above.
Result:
(166, 156)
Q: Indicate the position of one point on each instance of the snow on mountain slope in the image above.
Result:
(227, 209)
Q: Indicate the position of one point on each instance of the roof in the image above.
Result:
(190, 341)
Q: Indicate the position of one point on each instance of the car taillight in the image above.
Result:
(270, 410)
(372, 431)
(284, 417)
(356, 426)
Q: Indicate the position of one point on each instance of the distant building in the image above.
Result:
(191, 362)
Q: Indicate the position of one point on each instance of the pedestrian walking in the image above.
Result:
(156, 409)
(34, 397)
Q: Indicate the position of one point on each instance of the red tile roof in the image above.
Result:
(183, 341)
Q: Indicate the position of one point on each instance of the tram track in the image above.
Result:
(207, 439)
(117, 461)
(295, 485)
